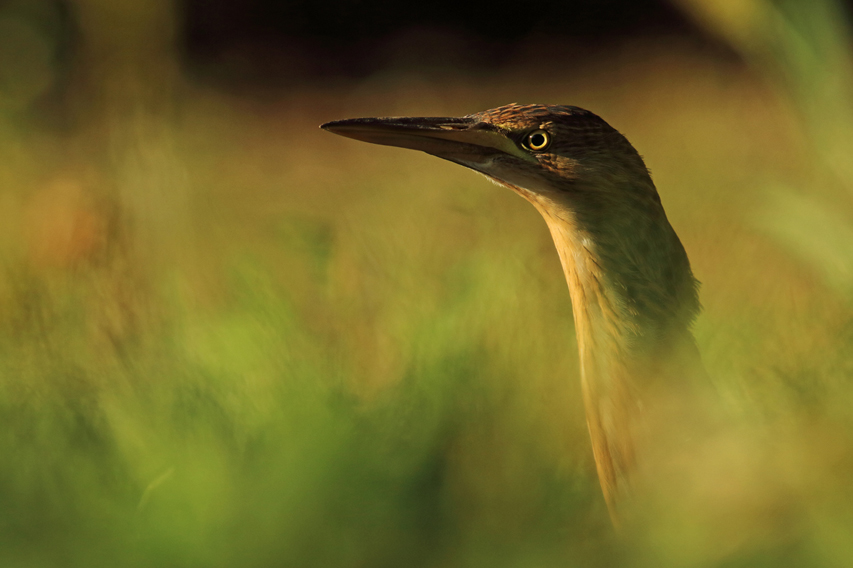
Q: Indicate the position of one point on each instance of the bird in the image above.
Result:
(634, 296)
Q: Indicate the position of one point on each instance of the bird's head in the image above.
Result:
(585, 178)
(555, 156)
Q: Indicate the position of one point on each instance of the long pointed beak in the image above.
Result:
(463, 139)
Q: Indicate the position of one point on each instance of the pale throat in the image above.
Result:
(602, 333)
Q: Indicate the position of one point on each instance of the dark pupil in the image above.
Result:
(537, 140)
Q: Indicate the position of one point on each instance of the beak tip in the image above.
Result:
(335, 126)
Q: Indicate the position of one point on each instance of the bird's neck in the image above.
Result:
(633, 295)
(633, 298)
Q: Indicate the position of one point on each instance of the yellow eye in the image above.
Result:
(538, 140)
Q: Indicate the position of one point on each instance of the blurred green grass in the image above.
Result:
(228, 338)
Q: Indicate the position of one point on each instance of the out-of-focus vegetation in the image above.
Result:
(230, 339)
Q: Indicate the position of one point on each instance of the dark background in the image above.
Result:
(258, 39)
(211, 24)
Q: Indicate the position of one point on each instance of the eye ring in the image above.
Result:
(538, 140)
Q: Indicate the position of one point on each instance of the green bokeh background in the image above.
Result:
(230, 339)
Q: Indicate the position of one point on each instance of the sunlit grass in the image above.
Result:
(228, 338)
